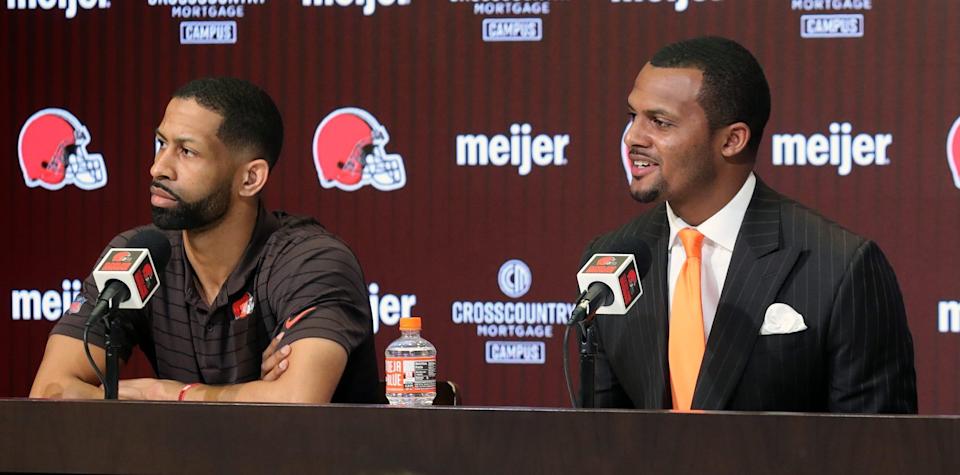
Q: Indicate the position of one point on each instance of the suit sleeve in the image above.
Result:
(607, 391)
(871, 363)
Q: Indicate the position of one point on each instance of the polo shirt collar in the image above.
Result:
(266, 224)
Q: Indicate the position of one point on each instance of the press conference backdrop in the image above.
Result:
(497, 129)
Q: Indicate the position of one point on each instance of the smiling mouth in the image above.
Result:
(643, 163)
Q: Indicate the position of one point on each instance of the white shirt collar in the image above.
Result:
(721, 228)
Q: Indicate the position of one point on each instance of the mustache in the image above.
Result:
(167, 189)
(634, 150)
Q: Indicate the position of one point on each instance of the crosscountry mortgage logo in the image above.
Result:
(508, 319)
(208, 32)
(953, 151)
(512, 29)
(516, 352)
(206, 8)
(514, 278)
(831, 26)
(503, 20)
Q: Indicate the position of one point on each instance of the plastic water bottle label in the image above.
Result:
(411, 375)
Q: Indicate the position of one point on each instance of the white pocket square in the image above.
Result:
(781, 319)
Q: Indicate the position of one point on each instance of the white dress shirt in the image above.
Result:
(720, 235)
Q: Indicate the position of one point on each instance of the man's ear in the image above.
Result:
(254, 177)
(734, 139)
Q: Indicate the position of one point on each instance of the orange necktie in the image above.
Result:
(686, 324)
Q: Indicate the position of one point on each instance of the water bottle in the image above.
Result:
(411, 367)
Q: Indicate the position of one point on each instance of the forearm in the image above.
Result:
(314, 371)
(65, 374)
(255, 391)
(65, 388)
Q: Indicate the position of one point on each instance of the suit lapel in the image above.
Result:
(757, 269)
(650, 319)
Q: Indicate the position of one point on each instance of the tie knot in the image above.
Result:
(692, 242)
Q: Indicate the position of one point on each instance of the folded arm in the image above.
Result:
(65, 373)
(311, 376)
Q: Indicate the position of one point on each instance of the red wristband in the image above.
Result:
(183, 391)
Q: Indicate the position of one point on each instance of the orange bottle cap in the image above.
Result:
(410, 323)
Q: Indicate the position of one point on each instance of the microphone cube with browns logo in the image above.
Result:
(617, 272)
(135, 269)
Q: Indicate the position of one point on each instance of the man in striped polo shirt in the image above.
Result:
(239, 279)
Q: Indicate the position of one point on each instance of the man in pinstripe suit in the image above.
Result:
(798, 313)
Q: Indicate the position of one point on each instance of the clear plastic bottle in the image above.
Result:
(411, 367)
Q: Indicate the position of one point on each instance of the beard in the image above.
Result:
(199, 214)
(700, 174)
(648, 195)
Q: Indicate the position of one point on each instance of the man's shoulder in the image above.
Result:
(801, 224)
(648, 226)
(811, 232)
(304, 234)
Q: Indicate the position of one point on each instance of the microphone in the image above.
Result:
(129, 276)
(610, 282)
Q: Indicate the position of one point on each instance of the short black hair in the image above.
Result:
(250, 117)
(734, 87)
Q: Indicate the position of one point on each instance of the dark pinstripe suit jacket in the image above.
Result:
(856, 354)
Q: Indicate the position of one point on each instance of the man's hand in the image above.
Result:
(274, 362)
(149, 389)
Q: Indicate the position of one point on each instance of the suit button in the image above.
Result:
(209, 327)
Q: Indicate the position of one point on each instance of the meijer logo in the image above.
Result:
(678, 5)
(840, 149)
(368, 5)
(519, 149)
(31, 304)
(948, 316)
(388, 309)
(69, 6)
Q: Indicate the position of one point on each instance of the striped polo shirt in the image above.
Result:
(294, 277)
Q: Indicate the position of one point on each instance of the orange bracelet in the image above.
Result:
(183, 391)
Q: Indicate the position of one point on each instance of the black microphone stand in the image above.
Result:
(588, 361)
(112, 338)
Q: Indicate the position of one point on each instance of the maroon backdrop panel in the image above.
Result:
(497, 161)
